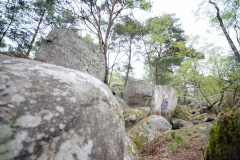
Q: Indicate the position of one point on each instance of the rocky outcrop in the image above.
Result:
(138, 93)
(65, 48)
(134, 115)
(147, 129)
(51, 112)
(158, 95)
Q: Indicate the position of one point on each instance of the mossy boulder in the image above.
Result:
(181, 112)
(147, 129)
(130, 149)
(224, 142)
(134, 115)
(199, 117)
(179, 123)
(199, 131)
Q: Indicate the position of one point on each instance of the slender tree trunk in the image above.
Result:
(129, 63)
(234, 49)
(35, 34)
(106, 64)
(7, 28)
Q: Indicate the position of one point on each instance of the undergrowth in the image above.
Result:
(170, 140)
(176, 142)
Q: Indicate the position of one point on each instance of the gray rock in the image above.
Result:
(121, 101)
(138, 93)
(171, 95)
(130, 149)
(179, 123)
(134, 115)
(147, 129)
(65, 48)
(186, 100)
(51, 112)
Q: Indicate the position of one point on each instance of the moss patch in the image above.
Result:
(224, 142)
(119, 111)
(140, 140)
(180, 114)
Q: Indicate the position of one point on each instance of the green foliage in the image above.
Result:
(142, 4)
(88, 37)
(177, 142)
(165, 41)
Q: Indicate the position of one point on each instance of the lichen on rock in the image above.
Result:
(52, 112)
(147, 129)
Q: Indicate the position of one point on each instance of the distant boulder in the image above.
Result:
(52, 112)
(138, 93)
(65, 48)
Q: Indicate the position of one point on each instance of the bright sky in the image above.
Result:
(183, 10)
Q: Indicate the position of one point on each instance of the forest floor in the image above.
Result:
(162, 152)
(160, 149)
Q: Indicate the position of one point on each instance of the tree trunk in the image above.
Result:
(7, 28)
(234, 49)
(106, 64)
(35, 34)
(129, 63)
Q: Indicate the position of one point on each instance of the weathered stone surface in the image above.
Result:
(147, 129)
(199, 131)
(65, 48)
(134, 115)
(179, 123)
(121, 101)
(138, 93)
(171, 95)
(51, 112)
(130, 150)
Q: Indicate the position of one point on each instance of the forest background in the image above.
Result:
(127, 31)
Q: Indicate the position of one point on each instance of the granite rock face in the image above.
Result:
(65, 48)
(52, 112)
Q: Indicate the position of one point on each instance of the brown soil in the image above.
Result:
(160, 151)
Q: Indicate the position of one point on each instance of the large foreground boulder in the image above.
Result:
(65, 48)
(51, 112)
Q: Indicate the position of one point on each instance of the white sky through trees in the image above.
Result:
(183, 10)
